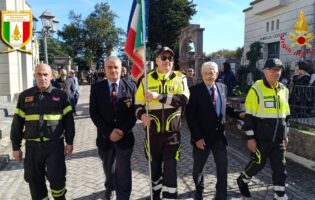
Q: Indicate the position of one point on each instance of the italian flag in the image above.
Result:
(134, 47)
(14, 32)
(18, 28)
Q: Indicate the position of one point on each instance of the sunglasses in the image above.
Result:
(170, 58)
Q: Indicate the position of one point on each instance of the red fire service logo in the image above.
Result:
(300, 38)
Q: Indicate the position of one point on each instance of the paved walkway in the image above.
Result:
(85, 178)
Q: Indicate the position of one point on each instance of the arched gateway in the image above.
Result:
(192, 33)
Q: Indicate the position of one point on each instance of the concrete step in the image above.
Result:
(5, 127)
(5, 151)
(7, 109)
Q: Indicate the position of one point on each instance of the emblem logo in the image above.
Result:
(300, 38)
(54, 98)
(16, 30)
(301, 28)
(29, 99)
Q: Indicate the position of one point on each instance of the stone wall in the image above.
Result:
(302, 143)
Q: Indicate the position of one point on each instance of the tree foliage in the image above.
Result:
(93, 38)
(166, 19)
(226, 53)
(54, 48)
(253, 56)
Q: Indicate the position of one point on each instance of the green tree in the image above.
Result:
(166, 19)
(252, 56)
(94, 37)
(54, 48)
(226, 53)
(239, 52)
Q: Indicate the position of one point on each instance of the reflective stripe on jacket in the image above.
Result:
(42, 116)
(165, 113)
(267, 110)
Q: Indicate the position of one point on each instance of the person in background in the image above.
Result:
(265, 125)
(67, 84)
(206, 111)
(190, 77)
(77, 90)
(300, 97)
(302, 77)
(61, 81)
(112, 112)
(43, 117)
(124, 72)
(228, 78)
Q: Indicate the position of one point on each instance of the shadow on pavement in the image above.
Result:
(96, 195)
(83, 111)
(13, 165)
(182, 196)
(83, 154)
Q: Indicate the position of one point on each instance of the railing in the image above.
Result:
(302, 106)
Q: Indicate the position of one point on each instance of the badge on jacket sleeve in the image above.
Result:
(55, 98)
(29, 99)
(128, 102)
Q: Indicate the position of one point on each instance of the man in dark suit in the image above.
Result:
(206, 112)
(112, 112)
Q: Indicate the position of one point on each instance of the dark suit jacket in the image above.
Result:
(104, 118)
(202, 119)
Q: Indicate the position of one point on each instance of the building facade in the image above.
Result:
(16, 68)
(274, 24)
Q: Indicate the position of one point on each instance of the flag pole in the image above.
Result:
(146, 89)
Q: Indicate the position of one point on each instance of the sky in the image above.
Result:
(223, 20)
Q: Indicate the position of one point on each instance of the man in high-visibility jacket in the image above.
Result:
(43, 117)
(167, 94)
(267, 112)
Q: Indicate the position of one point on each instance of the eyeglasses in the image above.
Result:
(170, 58)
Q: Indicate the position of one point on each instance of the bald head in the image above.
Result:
(43, 76)
(63, 72)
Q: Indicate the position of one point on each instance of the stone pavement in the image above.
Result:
(85, 177)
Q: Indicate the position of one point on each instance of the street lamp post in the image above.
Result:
(49, 24)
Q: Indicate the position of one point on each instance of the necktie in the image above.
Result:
(114, 95)
(213, 97)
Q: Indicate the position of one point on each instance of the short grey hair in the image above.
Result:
(113, 58)
(211, 65)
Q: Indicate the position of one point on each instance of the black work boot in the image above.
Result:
(198, 195)
(243, 187)
(108, 194)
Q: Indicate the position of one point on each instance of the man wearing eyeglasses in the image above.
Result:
(167, 94)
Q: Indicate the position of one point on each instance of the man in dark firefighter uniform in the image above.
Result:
(167, 94)
(267, 112)
(43, 117)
